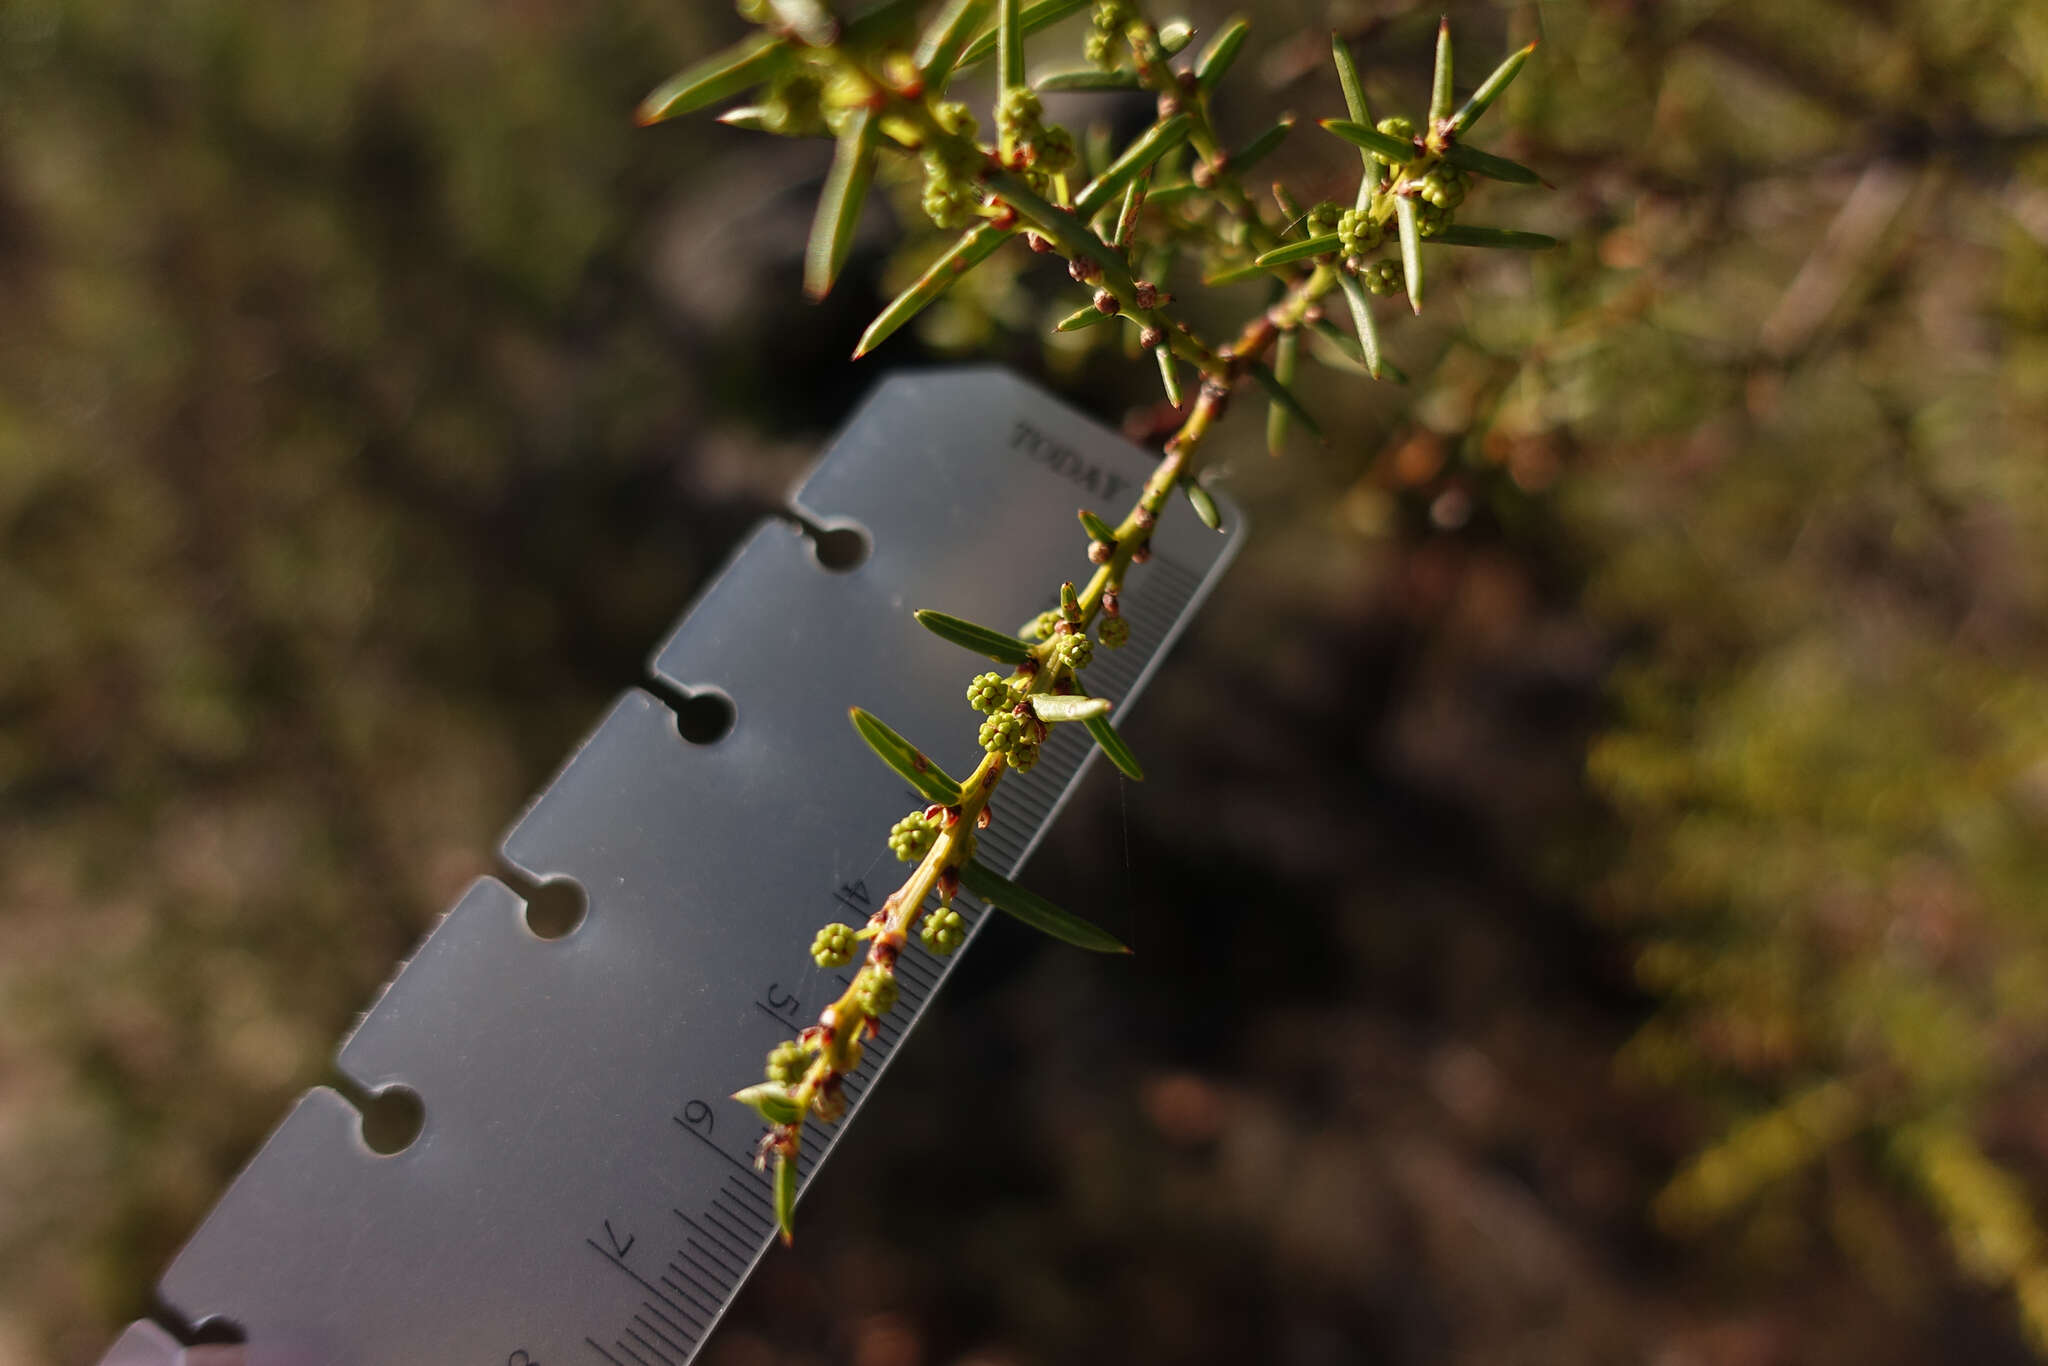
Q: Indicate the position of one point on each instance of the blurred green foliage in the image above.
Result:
(359, 364)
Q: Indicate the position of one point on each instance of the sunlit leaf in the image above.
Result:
(785, 1197)
(908, 761)
(715, 78)
(846, 188)
(1362, 319)
(1440, 78)
(1002, 648)
(1411, 250)
(938, 51)
(1050, 708)
(772, 1101)
(1033, 18)
(1097, 529)
(1222, 50)
(1088, 78)
(1326, 245)
(1371, 139)
(1204, 505)
(1158, 140)
(1489, 90)
(1169, 375)
(974, 247)
(1114, 748)
(1460, 235)
(1487, 164)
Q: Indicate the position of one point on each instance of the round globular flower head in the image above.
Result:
(1100, 50)
(1043, 625)
(786, 1063)
(911, 838)
(1383, 277)
(877, 992)
(1358, 234)
(1056, 152)
(944, 931)
(1324, 218)
(792, 105)
(989, 693)
(1001, 732)
(834, 946)
(1019, 112)
(1430, 220)
(1074, 651)
(1114, 631)
(1022, 758)
(1394, 126)
(1443, 187)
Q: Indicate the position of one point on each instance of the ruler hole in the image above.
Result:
(392, 1119)
(840, 547)
(555, 908)
(704, 718)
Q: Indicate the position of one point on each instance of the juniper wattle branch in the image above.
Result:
(1121, 219)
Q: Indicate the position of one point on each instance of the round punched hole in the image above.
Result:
(392, 1119)
(838, 548)
(704, 718)
(218, 1331)
(555, 908)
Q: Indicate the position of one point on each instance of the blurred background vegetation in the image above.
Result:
(1590, 897)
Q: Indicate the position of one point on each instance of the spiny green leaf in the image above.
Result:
(1009, 44)
(1063, 224)
(785, 1198)
(846, 188)
(1035, 911)
(772, 1101)
(1157, 141)
(1003, 649)
(1285, 396)
(1255, 151)
(1220, 53)
(1460, 235)
(1134, 204)
(1362, 319)
(1489, 90)
(1033, 18)
(1164, 195)
(1411, 249)
(1348, 357)
(1327, 244)
(1088, 78)
(974, 247)
(1050, 708)
(1487, 164)
(1440, 81)
(755, 118)
(1175, 35)
(1354, 89)
(1371, 139)
(1114, 747)
(1235, 275)
(938, 51)
(1203, 504)
(1087, 315)
(1097, 529)
(1283, 370)
(1169, 376)
(908, 761)
(715, 78)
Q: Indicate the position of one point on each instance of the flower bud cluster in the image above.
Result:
(834, 946)
(1104, 45)
(944, 930)
(951, 190)
(990, 693)
(787, 1062)
(1072, 651)
(878, 991)
(911, 838)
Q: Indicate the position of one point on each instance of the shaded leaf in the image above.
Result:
(1487, 164)
(1411, 250)
(1235, 275)
(1003, 649)
(1096, 528)
(1489, 90)
(1371, 139)
(1362, 319)
(715, 78)
(1009, 44)
(846, 189)
(1035, 911)
(1255, 151)
(908, 761)
(785, 1198)
(1169, 375)
(1088, 78)
(1175, 194)
(1276, 416)
(1050, 708)
(1114, 747)
(1157, 141)
(1087, 315)
(1033, 18)
(1460, 235)
(974, 247)
(1349, 356)
(772, 1101)
(1203, 504)
(938, 51)
(1328, 244)
(1216, 58)
(1283, 395)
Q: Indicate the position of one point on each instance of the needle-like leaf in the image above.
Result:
(785, 1198)
(975, 246)
(846, 188)
(1285, 396)
(1440, 79)
(1203, 504)
(1220, 53)
(1003, 649)
(1459, 235)
(717, 77)
(1009, 44)
(1487, 164)
(1235, 275)
(908, 761)
(1169, 376)
(1371, 139)
(1035, 911)
(1114, 747)
(1411, 249)
(1276, 415)
(1489, 90)
(1050, 708)
(1033, 18)
(1361, 318)
(1325, 245)
(1158, 140)
(1097, 529)
(1255, 151)
(1088, 78)
(1086, 316)
(938, 51)
(1347, 78)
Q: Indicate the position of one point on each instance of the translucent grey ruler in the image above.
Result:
(581, 1190)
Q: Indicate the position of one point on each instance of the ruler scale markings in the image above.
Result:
(648, 1318)
(591, 1343)
(642, 1281)
(685, 1292)
(642, 1339)
(723, 1283)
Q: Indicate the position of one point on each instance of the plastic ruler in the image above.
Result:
(581, 1190)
